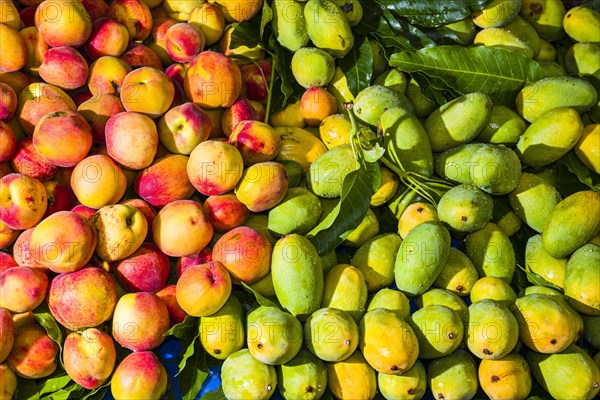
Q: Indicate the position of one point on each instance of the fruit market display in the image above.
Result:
(315, 199)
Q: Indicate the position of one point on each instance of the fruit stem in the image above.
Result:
(270, 94)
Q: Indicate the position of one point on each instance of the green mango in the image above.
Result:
(582, 24)
(264, 287)
(546, 16)
(345, 289)
(405, 140)
(298, 212)
(465, 208)
(547, 52)
(274, 336)
(326, 174)
(522, 29)
(421, 258)
(392, 300)
(539, 97)
(312, 67)
(538, 261)
(439, 330)
(572, 223)
(582, 280)
(496, 169)
(570, 374)
(297, 275)
(583, 58)
(492, 331)
(491, 288)
(504, 216)
(244, 377)
(260, 222)
(352, 9)
(304, 377)
(423, 106)
(328, 27)
(374, 100)
(506, 40)
(394, 79)
(366, 230)
(504, 127)
(453, 376)
(541, 145)
(458, 275)
(380, 63)
(549, 173)
(329, 261)
(222, 333)
(497, 13)
(375, 259)
(446, 298)
(455, 164)
(331, 334)
(289, 24)
(410, 385)
(293, 171)
(463, 31)
(492, 252)
(533, 200)
(352, 378)
(458, 121)
(591, 331)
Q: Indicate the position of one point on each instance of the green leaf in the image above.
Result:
(289, 89)
(26, 390)
(535, 279)
(215, 395)
(53, 329)
(583, 174)
(72, 391)
(189, 351)
(184, 330)
(98, 393)
(493, 71)
(194, 373)
(265, 18)
(374, 154)
(58, 380)
(246, 33)
(376, 24)
(431, 13)
(358, 65)
(260, 299)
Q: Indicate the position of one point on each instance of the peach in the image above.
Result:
(256, 141)
(317, 104)
(8, 102)
(180, 10)
(63, 23)
(82, 299)
(95, 8)
(203, 289)
(177, 223)
(183, 127)
(107, 75)
(85, 211)
(14, 54)
(7, 333)
(202, 257)
(146, 209)
(64, 67)
(9, 14)
(256, 78)
(169, 297)
(131, 139)
(241, 110)
(211, 21)
(97, 181)
(140, 321)
(225, 212)
(121, 231)
(33, 355)
(135, 15)
(137, 55)
(23, 253)
(28, 161)
(89, 357)
(183, 42)
(22, 289)
(8, 382)
(63, 137)
(81, 96)
(27, 15)
(39, 99)
(157, 44)
(97, 111)
(108, 38)
(260, 109)
(139, 376)
(262, 186)
(64, 242)
(36, 48)
(164, 181)
(17, 80)
(9, 141)
(147, 83)
(215, 167)
(153, 3)
(7, 235)
(23, 201)
(7, 261)
(60, 197)
(176, 72)
(213, 80)
(239, 10)
(146, 270)
(215, 121)
(245, 253)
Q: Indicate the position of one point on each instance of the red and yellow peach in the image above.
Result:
(183, 127)
(33, 355)
(97, 111)
(139, 376)
(89, 357)
(64, 67)
(108, 38)
(215, 167)
(225, 212)
(165, 181)
(22, 289)
(107, 75)
(23, 201)
(63, 23)
(134, 15)
(146, 270)
(203, 289)
(131, 139)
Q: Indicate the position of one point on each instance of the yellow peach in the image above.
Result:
(107, 75)
(89, 357)
(135, 15)
(203, 289)
(97, 181)
(22, 289)
(211, 21)
(108, 38)
(14, 54)
(63, 23)
(131, 139)
(147, 83)
(139, 376)
(39, 99)
(23, 201)
(9, 14)
(36, 48)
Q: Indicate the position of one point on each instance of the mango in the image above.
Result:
(423, 106)
(439, 331)
(298, 212)
(588, 147)
(504, 39)
(458, 275)
(539, 97)
(421, 258)
(533, 200)
(297, 275)
(465, 208)
(380, 63)
(392, 300)
(288, 116)
(462, 31)
(455, 164)
(458, 121)
(591, 331)
(289, 25)
(504, 127)
(582, 280)
(244, 377)
(312, 67)
(546, 17)
(505, 378)
(445, 298)
(522, 29)
(496, 169)
(303, 377)
(326, 174)
(492, 288)
(547, 53)
(331, 334)
(492, 331)
(352, 10)
(274, 336)
(340, 90)
(294, 173)
(299, 145)
(352, 378)
(583, 58)
(538, 261)
(373, 101)
(366, 230)
(264, 286)
(329, 260)
(414, 215)
(582, 24)
(570, 374)
(405, 140)
(345, 289)
(497, 13)
(328, 27)
(504, 216)
(492, 252)
(394, 79)
(222, 333)
(387, 189)
(335, 130)
(453, 376)
(388, 343)
(573, 222)
(375, 260)
(410, 385)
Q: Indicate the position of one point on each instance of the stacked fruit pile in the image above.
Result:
(321, 198)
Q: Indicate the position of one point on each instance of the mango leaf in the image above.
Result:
(184, 330)
(58, 380)
(71, 391)
(26, 390)
(215, 395)
(577, 168)
(246, 33)
(260, 299)
(189, 352)
(431, 13)
(417, 38)
(44, 317)
(535, 279)
(358, 65)
(265, 18)
(194, 373)
(289, 89)
(493, 71)
(98, 393)
(376, 24)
